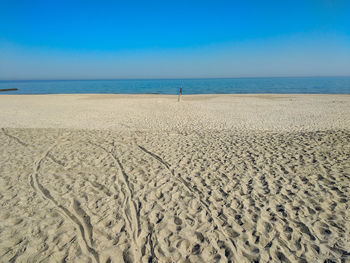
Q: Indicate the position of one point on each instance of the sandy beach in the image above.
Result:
(144, 178)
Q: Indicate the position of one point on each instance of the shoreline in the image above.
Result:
(186, 95)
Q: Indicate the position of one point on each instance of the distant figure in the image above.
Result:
(180, 93)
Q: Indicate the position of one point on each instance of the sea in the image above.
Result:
(279, 85)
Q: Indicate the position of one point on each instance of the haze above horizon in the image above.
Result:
(173, 39)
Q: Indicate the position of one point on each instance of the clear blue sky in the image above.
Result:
(173, 39)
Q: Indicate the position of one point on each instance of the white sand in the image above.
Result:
(100, 178)
(156, 112)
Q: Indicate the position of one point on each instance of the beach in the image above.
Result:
(145, 178)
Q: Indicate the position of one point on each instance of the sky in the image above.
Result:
(82, 39)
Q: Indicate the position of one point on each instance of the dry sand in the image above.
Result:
(159, 113)
(112, 178)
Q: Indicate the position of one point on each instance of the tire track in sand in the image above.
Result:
(39, 188)
(131, 212)
(193, 191)
(14, 138)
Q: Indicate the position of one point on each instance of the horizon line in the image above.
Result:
(175, 78)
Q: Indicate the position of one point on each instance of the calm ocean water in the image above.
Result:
(306, 85)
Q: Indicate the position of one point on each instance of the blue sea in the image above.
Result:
(305, 85)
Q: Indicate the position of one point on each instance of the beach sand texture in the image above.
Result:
(268, 184)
